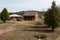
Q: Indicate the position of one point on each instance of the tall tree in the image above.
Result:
(51, 16)
(4, 15)
(0, 15)
(47, 17)
(59, 15)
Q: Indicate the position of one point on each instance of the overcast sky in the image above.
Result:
(20, 5)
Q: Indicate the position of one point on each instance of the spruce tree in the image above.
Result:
(51, 16)
(4, 15)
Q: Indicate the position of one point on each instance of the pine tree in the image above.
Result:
(4, 15)
(47, 17)
(51, 16)
(0, 15)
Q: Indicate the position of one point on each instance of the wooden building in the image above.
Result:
(27, 15)
(31, 16)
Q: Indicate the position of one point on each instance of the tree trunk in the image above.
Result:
(52, 29)
(4, 21)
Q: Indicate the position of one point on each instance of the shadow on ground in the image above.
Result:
(38, 29)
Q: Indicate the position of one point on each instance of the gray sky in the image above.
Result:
(21, 5)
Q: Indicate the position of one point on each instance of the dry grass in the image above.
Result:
(23, 31)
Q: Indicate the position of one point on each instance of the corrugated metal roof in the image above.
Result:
(15, 15)
(29, 13)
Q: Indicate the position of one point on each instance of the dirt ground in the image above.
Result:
(24, 31)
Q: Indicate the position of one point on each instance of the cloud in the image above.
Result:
(18, 5)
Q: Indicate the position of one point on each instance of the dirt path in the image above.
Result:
(6, 30)
(58, 38)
